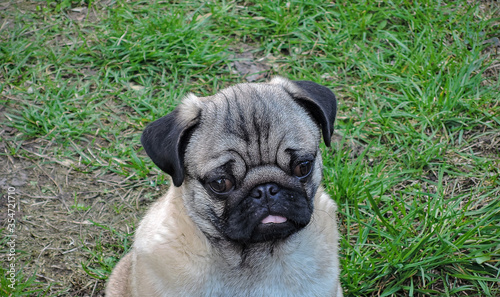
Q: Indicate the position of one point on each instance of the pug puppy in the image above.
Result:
(246, 215)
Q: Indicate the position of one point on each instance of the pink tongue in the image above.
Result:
(273, 219)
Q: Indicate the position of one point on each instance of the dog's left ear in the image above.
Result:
(165, 139)
(319, 101)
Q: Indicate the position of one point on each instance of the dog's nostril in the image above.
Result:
(256, 193)
(273, 190)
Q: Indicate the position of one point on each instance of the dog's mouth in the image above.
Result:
(273, 227)
(272, 219)
(270, 227)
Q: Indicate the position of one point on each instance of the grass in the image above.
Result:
(415, 167)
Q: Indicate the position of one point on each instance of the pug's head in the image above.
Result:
(247, 159)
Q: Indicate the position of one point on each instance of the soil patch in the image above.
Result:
(58, 215)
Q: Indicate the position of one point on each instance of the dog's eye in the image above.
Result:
(221, 185)
(303, 169)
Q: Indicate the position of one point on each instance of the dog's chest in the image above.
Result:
(295, 275)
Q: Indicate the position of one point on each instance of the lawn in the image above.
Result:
(414, 168)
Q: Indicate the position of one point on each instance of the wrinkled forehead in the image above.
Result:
(251, 125)
(247, 99)
(257, 112)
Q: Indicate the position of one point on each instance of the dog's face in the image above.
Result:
(247, 158)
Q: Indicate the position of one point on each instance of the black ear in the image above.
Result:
(165, 140)
(321, 104)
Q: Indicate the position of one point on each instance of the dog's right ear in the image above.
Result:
(165, 139)
(319, 101)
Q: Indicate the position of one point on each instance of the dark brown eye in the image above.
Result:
(303, 169)
(221, 185)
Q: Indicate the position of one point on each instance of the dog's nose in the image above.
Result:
(267, 191)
